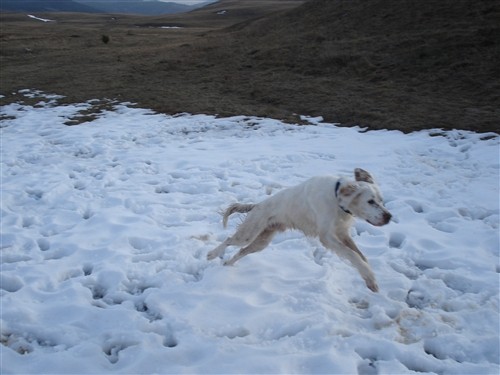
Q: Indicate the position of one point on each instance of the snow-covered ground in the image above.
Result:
(106, 226)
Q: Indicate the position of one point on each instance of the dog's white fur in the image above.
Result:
(321, 207)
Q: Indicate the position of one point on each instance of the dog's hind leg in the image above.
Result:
(252, 227)
(219, 250)
(246, 234)
(258, 244)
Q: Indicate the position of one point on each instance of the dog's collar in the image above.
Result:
(337, 186)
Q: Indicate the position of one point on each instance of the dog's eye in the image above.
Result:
(371, 201)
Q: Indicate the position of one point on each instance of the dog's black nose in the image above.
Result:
(387, 217)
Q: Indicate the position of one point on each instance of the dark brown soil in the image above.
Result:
(394, 64)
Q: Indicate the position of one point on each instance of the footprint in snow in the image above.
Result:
(443, 220)
(98, 291)
(480, 213)
(27, 342)
(87, 269)
(397, 240)
(144, 309)
(87, 214)
(79, 185)
(10, 284)
(28, 222)
(113, 347)
(162, 190)
(401, 266)
(416, 206)
(43, 244)
(141, 245)
(35, 194)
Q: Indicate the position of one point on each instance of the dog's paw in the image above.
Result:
(372, 285)
(229, 262)
(212, 255)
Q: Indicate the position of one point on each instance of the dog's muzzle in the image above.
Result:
(386, 217)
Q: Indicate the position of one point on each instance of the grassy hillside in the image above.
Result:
(380, 63)
(398, 64)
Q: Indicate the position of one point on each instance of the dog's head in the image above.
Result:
(362, 198)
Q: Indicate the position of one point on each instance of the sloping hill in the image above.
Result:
(137, 7)
(397, 64)
(44, 6)
(226, 14)
(381, 62)
(152, 7)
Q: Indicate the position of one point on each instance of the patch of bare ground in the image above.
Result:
(394, 64)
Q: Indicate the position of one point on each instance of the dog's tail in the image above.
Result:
(236, 207)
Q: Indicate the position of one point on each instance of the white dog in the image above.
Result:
(321, 207)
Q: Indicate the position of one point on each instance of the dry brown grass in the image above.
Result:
(397, 64)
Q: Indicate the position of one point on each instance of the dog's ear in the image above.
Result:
(348, 190)
(362, 175)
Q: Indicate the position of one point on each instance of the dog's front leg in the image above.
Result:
(351, 245)
(354, 257)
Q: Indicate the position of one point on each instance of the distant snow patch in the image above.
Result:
(40, 19)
